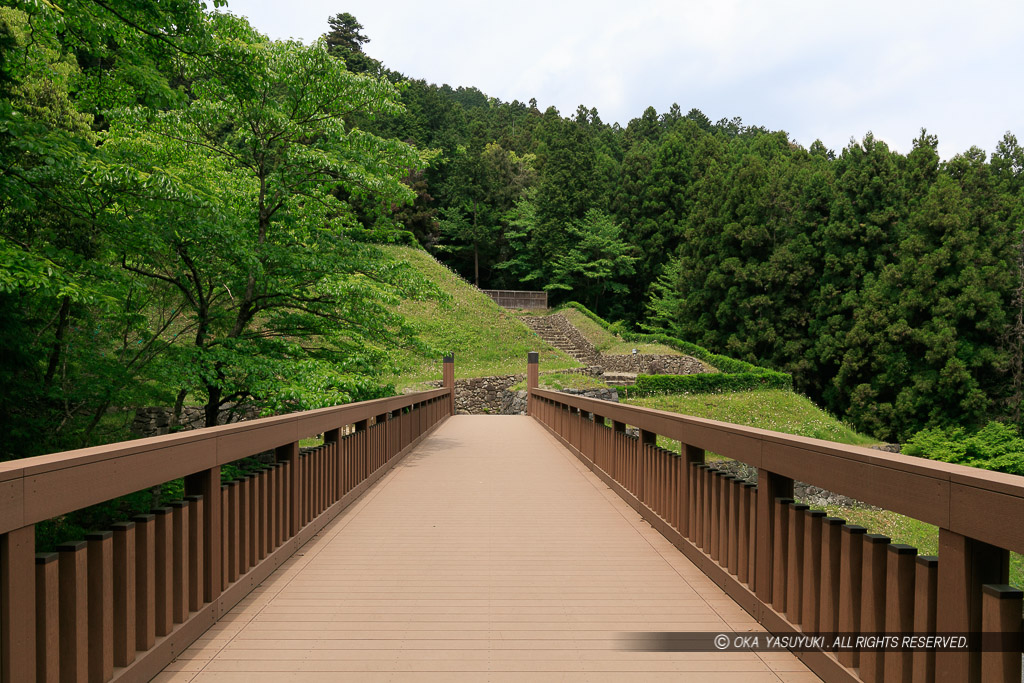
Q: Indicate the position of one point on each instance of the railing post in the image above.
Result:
(1001, 605)
(643, 467)
(690, 455)
(207, 485)
(965, 565)
(17, 605)
(532, 379)
(382, 436)
(769, 487)
(363, 438)
(448, 381)
(289, 453)
(124, 593)
(48, 619)
(100, 600)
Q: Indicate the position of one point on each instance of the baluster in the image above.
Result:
(872, 616)
(164, 558)
(124, 593)
(179, 553)
(145, 581)
(850, 586)
(1001, 614)
(811, 594)
(780, 555)
(47, 660)
(925, 604)
(73, 611)
(795, 562)
(899, 614)
(100, 562)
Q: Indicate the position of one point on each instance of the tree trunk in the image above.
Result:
(176, 415)
(476, 265)
(58, 341)
(212, 407)
(1016, 340)
(476, 251)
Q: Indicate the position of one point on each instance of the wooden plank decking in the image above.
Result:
(488, 554)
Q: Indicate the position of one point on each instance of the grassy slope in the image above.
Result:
(779, 411)
(485, 338)
(783, 411)
(608, 343)
(921, 535)
(557, 381)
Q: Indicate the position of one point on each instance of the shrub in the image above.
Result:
(648, 385)
(996, 446)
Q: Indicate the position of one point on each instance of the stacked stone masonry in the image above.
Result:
(560, 333)
(156, 420)
(651, 364)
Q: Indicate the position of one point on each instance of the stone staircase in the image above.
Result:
(619, 379)
(559, 333)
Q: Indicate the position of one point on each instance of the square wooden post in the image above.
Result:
(207, 485)
(965, 565)
(48, 619)
(769, 487)
(1001, 607)
(100, 604)
(691, 456)
(124, 593)
(532, 381)
(448, 380)
(289, 453)
(17, 605)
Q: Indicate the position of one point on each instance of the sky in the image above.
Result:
(819, 69)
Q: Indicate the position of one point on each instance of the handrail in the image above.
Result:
(96, 474)
(796, 570)
(123, 603)
(985, 505)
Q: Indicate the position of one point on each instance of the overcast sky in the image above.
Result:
(817, 69)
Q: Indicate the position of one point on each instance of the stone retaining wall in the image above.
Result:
(652, 364)
(483, 395)
(514, 402)
(156, 420)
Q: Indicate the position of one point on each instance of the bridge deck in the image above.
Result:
(488, 554)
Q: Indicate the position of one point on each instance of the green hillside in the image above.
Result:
(777, 410)
(485, 338)
(606, 341)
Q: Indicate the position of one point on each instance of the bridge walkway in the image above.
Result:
(490, 553)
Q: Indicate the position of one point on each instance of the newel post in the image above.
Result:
(449, 381)
(532, 379)
(17, 605)
(965, 566)
(207, 485)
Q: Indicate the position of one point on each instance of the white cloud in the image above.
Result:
(818, 69)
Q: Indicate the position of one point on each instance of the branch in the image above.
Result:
(152, 34)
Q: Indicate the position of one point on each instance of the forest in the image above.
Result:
(193, 212)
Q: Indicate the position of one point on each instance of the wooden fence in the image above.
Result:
(121, 603)
(511, 298)
(797, 570)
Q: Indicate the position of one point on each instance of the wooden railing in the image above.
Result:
(514, 298)
(797, 570)
(122, 603)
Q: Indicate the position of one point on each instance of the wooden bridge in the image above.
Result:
(417, 545)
